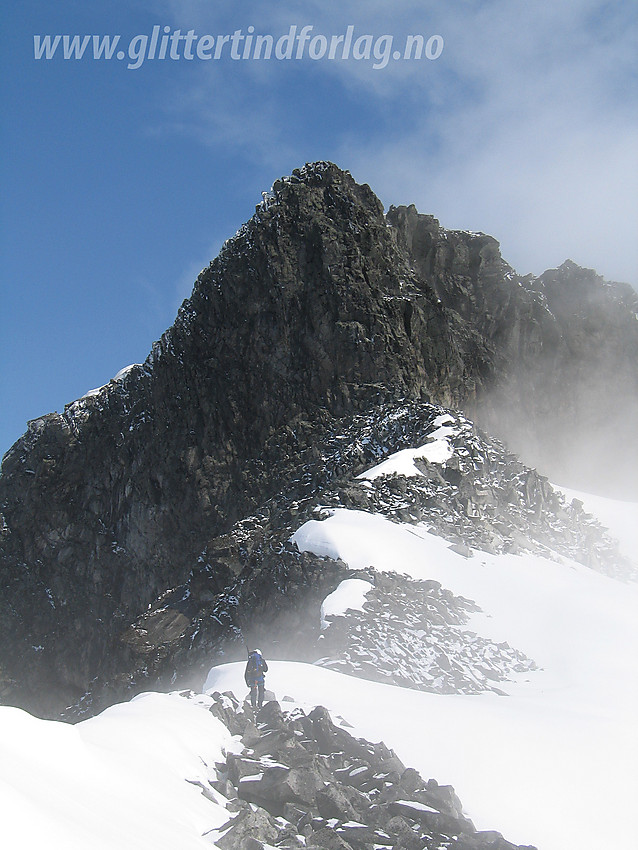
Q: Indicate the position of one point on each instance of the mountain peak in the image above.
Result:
(320, 311)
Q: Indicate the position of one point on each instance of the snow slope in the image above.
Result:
(121, 780)
(349, 596)
(552, 763)
(548, 763)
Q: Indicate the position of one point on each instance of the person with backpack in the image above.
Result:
(254, 676)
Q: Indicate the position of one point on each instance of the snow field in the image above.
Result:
(551, 762)
(115, 781)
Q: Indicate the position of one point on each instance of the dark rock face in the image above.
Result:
(304, 781)
(316, 311)
(301, 317)
(564, 352)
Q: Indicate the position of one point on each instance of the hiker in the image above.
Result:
(256, 667)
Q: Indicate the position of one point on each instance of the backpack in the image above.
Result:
(254, 663)
(255, 668)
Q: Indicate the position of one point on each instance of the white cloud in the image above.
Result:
(543, 156)
(525, 128)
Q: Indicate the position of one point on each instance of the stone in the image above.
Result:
(403, 833)
(430, 818)
(328, 839)
(272, 741)
(358, 774)
(240, 766)
(331, 738)
(235, 723)
(251, 734)
(442, 796)
(332, 802)
(297, 816)
(251, 843)
(248, 824)
(302, 784)
(461, 549)
(411, 780)
(270, 716)
(225, 788)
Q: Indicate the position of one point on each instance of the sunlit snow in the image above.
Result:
(118, 377)
(125, 371)
(121, 780)
(437, 450)
(550, 761)
(349, 595)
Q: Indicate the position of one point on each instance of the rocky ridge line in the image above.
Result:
(301, 781)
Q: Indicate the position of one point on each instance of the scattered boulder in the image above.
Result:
(249, 825)
(344, 794)
(328, 839)
(333, 802)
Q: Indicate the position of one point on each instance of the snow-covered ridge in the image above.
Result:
(129, 778)
(163, 771)
(533, 764)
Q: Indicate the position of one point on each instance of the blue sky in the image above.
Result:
(119, 185)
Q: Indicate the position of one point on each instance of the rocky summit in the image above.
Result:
(146, 524)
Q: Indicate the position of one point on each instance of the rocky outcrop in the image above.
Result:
(302, 781)
(319, 311)
(415, 634)
(563, 353)
(481, 496)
